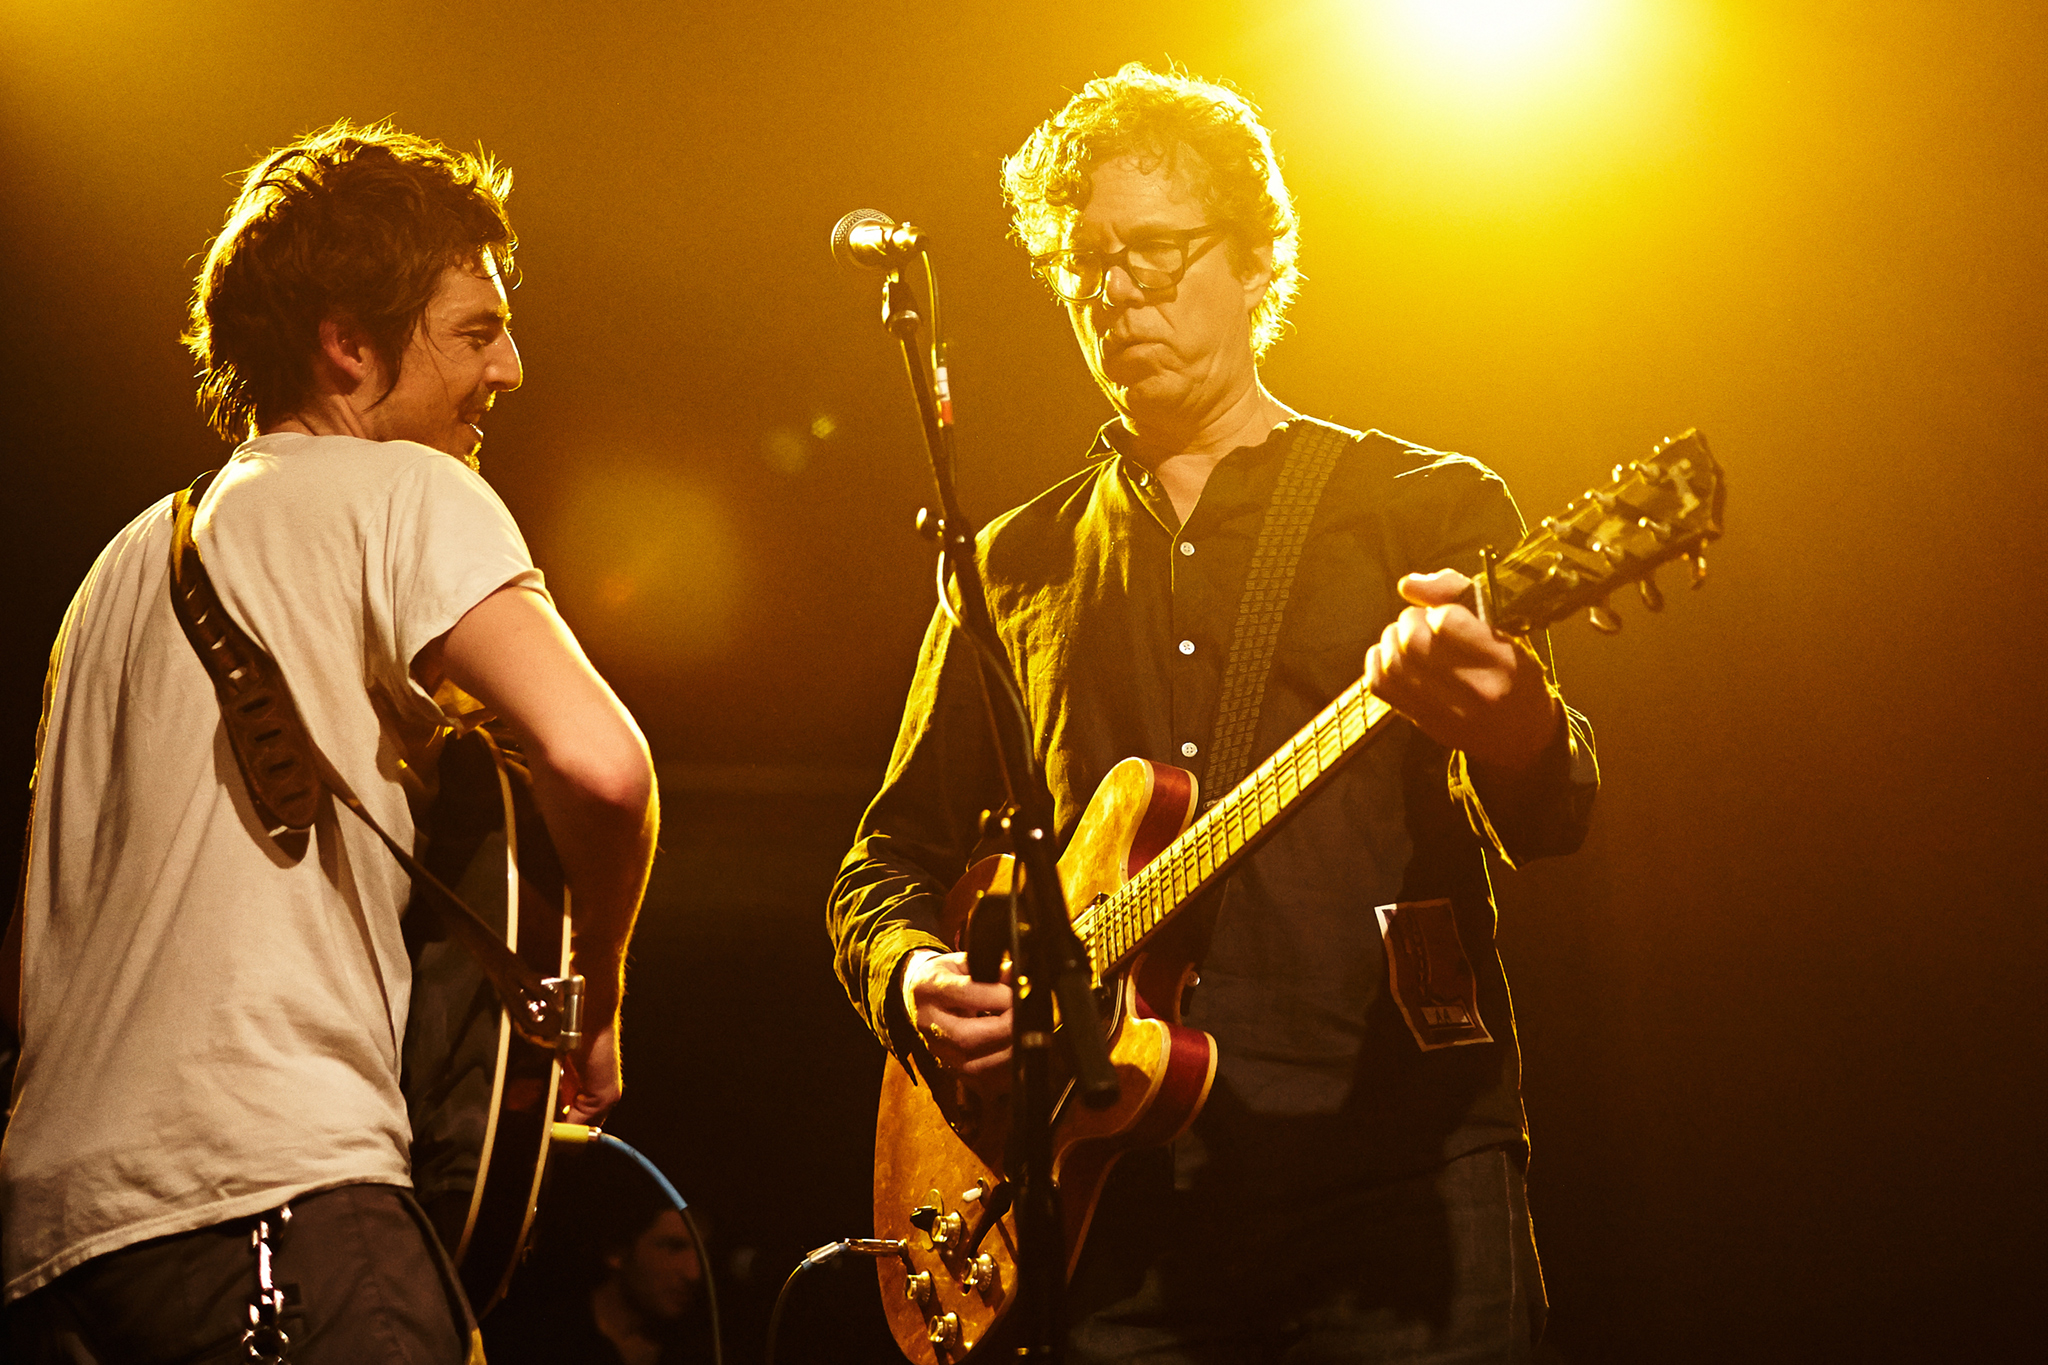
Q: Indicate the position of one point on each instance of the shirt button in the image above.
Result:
(1187, 646)
(1189, 749)
(1187, 547)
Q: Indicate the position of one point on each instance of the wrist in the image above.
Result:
(1525, 754)
(905, 980)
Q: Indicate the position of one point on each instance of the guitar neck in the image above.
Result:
(1230, 828)
(1655, 510)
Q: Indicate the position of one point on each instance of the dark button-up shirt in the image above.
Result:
(1117, 619)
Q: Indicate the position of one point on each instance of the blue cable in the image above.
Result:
(582, 1134)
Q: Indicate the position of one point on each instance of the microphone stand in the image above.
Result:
(1048, 962)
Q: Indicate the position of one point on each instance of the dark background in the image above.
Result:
(1780, 1017)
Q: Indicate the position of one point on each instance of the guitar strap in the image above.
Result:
(1311, 457)
(285, 770)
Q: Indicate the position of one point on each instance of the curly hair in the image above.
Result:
(1206, 134)
(351, 221)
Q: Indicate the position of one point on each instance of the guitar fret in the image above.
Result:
(1307, 767)
(1187, 866)
(1286, 779)
(1329, 736)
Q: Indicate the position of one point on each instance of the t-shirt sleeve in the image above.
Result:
(450, 544)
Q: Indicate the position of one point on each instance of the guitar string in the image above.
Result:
(1115, 925)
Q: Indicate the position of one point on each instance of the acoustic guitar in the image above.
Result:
(481, 1097)
(1139, 855)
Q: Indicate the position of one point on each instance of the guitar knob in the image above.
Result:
(982, 1275)
(918, 1289)
(945, 1332)
(946, 1229)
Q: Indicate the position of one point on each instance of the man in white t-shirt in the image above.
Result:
(210, 1022)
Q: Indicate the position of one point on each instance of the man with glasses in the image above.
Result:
(1352, 1189)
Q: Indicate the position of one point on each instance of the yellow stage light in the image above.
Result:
(1476, 105)
(1493, 37)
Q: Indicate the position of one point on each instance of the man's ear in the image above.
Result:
(1257, 276)
(347, 353)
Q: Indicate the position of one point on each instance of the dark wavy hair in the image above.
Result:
(1203, 132)
(351, 221)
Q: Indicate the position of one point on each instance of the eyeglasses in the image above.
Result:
(1154, 264)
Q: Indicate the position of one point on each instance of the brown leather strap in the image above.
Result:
(269, 740)
(1311, 456)
(285, 770)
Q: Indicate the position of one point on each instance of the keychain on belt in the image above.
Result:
(266, 1341)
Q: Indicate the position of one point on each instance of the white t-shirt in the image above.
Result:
(211, 1028)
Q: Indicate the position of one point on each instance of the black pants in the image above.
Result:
(1437, 1269)
(372, 1285)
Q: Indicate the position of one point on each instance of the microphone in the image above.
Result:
(868, 239)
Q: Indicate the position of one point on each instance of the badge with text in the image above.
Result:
(1431, 978)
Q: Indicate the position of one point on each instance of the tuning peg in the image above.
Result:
(1698, 560)
(1652, 595)
(1603, 618)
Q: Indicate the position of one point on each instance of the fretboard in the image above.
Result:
(1230, 828)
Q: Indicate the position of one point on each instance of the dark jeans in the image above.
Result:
(372, 1286)
(1436, 1269)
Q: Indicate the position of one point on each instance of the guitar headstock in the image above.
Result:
(1655, 510)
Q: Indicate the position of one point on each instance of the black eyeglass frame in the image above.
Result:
(1184, 238)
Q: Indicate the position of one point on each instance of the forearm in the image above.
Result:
(881, 911)
(603, 827)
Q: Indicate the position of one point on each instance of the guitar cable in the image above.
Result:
(876, 1247)
(582, 1135)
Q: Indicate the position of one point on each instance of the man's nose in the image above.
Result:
(1119, 290)
(504, 373)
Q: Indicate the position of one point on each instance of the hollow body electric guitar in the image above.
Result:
(1139, 855)
(481, 1097)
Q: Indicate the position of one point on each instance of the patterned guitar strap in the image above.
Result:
(1312, 456)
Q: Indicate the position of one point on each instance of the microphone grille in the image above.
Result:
(842, 232)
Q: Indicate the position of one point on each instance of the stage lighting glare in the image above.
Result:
(1491, 37)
